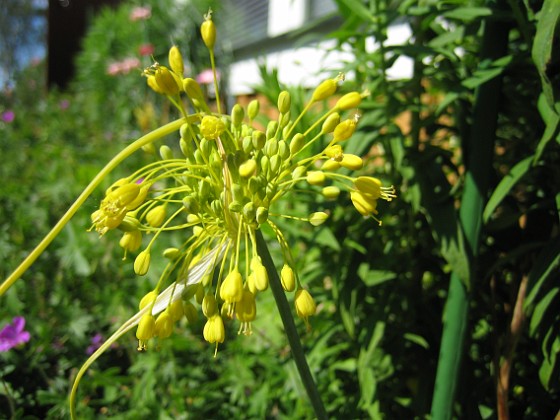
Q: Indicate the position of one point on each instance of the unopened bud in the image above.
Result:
(349, 101)
(208, 31)
(284, 102)
(176, 61)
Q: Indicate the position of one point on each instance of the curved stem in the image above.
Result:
(113, 163)
(290, 328)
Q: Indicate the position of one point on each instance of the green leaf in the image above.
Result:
(547, 263)
(541, 310)
(542, 46)
(505, 186)
(487, 71)
(421, 341)
(468, 14)
(327, 238)
(374, 277)
(552, 121)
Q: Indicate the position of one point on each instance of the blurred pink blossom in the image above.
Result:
(140, 13)
(146, 49)
(64, 104)
(123, 66)
(206, 76)
(8, 116)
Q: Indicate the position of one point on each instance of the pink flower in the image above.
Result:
(140, 13)
(146, 49)
(96, 342)
(13, 335)
(113, 68)
(129, 64)
(64, 104)
(8, 116)
(206, 76)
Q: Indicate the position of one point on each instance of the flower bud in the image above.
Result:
(176, 310)
(344, 130)
(260, 274)
(176, 61)
(330, 123)
(315, 177)
(253, 109)
(165, 152)
(259, 139)
(262, 215)
(318, 218)
(142, 263)
(271, 129)
(148, 299)
(131, 241)
(324, 90)
(352, 162)
(193, 90)
(190, 313)
(330, 165)
(156, 216)
(305, 305)
(284, 102)
(247, 168)
(171, 253)
(297, 143)
(288, 278)
(151, 81)
(349, 101)
(237, 115)
(331, 192)
(209, 305)
(208, 31)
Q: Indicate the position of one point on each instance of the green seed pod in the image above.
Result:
(209, 305)
(287, 129)
(185, 146)
(283, 149)
(165, 152)
(237, 114)
(171, 253)
(249, 212)
(246, 169)
(318, 218)
(184, 131)
(192, 89)
(203, 189)
(316, 177)
(259, 139)
(299, 172)
(285, 119)
(275, 163)
(254, 185)
(271, 147)
(331, 192)
(265, 164)
(284, 102)
(253, 109)
(271, 129)
(262, 215)
(190, 203)
(247, 144)
(297, 143)
(235, 206)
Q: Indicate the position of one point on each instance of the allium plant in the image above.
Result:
(218, 195)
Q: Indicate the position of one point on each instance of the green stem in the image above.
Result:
(478, 153)
(113, 163)
(290, 328)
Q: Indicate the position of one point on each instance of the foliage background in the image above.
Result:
(374, 347)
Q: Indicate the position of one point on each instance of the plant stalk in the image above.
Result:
(478, 151)
(290, 329)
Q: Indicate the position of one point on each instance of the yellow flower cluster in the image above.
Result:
(222, 189)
